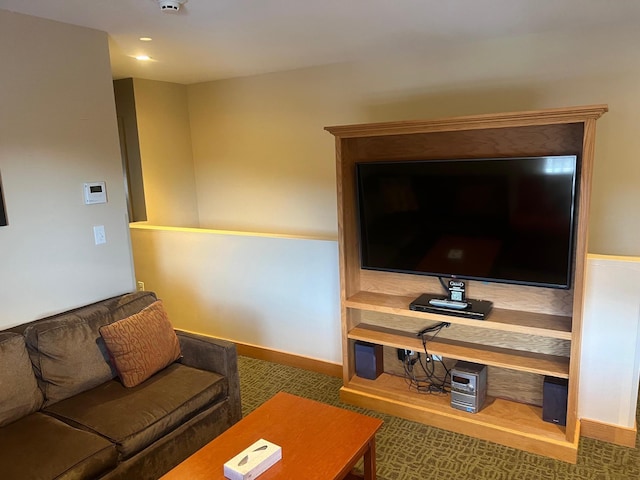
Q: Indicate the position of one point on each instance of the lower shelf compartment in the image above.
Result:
(508, 423)
(531, 362)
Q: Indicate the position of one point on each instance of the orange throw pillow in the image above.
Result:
(142, 344)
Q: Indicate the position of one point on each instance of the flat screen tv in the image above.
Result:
(508, 220)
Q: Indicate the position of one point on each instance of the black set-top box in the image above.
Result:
(475, 309)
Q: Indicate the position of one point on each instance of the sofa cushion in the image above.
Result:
(19, 392)
(39, 447)
(126, 305)
(68, 353)
(142, 344)
(136, 417)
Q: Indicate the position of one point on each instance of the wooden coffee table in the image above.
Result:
(318, 442)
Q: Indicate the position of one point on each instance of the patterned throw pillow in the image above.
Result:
(142, 344)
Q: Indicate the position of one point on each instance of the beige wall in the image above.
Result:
(58, 130)
(612, 292)
(262, 160)
(251, 289)
(130, 148)
(264, 163)
(165, 150)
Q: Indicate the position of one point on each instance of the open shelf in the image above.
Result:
(553, 326)
(520, 360)
(501, 421)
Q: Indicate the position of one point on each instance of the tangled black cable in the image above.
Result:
(430, 382)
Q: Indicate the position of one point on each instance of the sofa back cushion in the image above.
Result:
(126, 305)
(68, 353)
(19, 392)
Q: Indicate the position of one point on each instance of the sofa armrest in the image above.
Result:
(214, 355)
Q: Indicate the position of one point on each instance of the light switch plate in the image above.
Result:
(99, 234)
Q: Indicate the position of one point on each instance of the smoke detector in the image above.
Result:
(170, 6)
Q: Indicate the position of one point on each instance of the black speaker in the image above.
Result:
(369, 362)
(554, 400)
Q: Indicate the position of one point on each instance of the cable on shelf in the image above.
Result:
(429, 382)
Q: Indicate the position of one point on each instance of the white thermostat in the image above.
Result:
(95, 192)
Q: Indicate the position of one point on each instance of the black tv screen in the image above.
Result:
(508, 220)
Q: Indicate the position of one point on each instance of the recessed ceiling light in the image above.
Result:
(146, 39)
(143, 58)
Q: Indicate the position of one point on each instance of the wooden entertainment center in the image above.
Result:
(532, 331)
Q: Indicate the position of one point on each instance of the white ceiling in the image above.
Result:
(213, 39)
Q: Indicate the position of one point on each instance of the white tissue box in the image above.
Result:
(252, 461)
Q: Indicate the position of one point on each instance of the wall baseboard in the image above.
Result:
(261, 353)
(625, 437)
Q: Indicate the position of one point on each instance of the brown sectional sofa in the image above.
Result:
(64, 414)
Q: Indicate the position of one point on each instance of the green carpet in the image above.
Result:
(412, 451)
